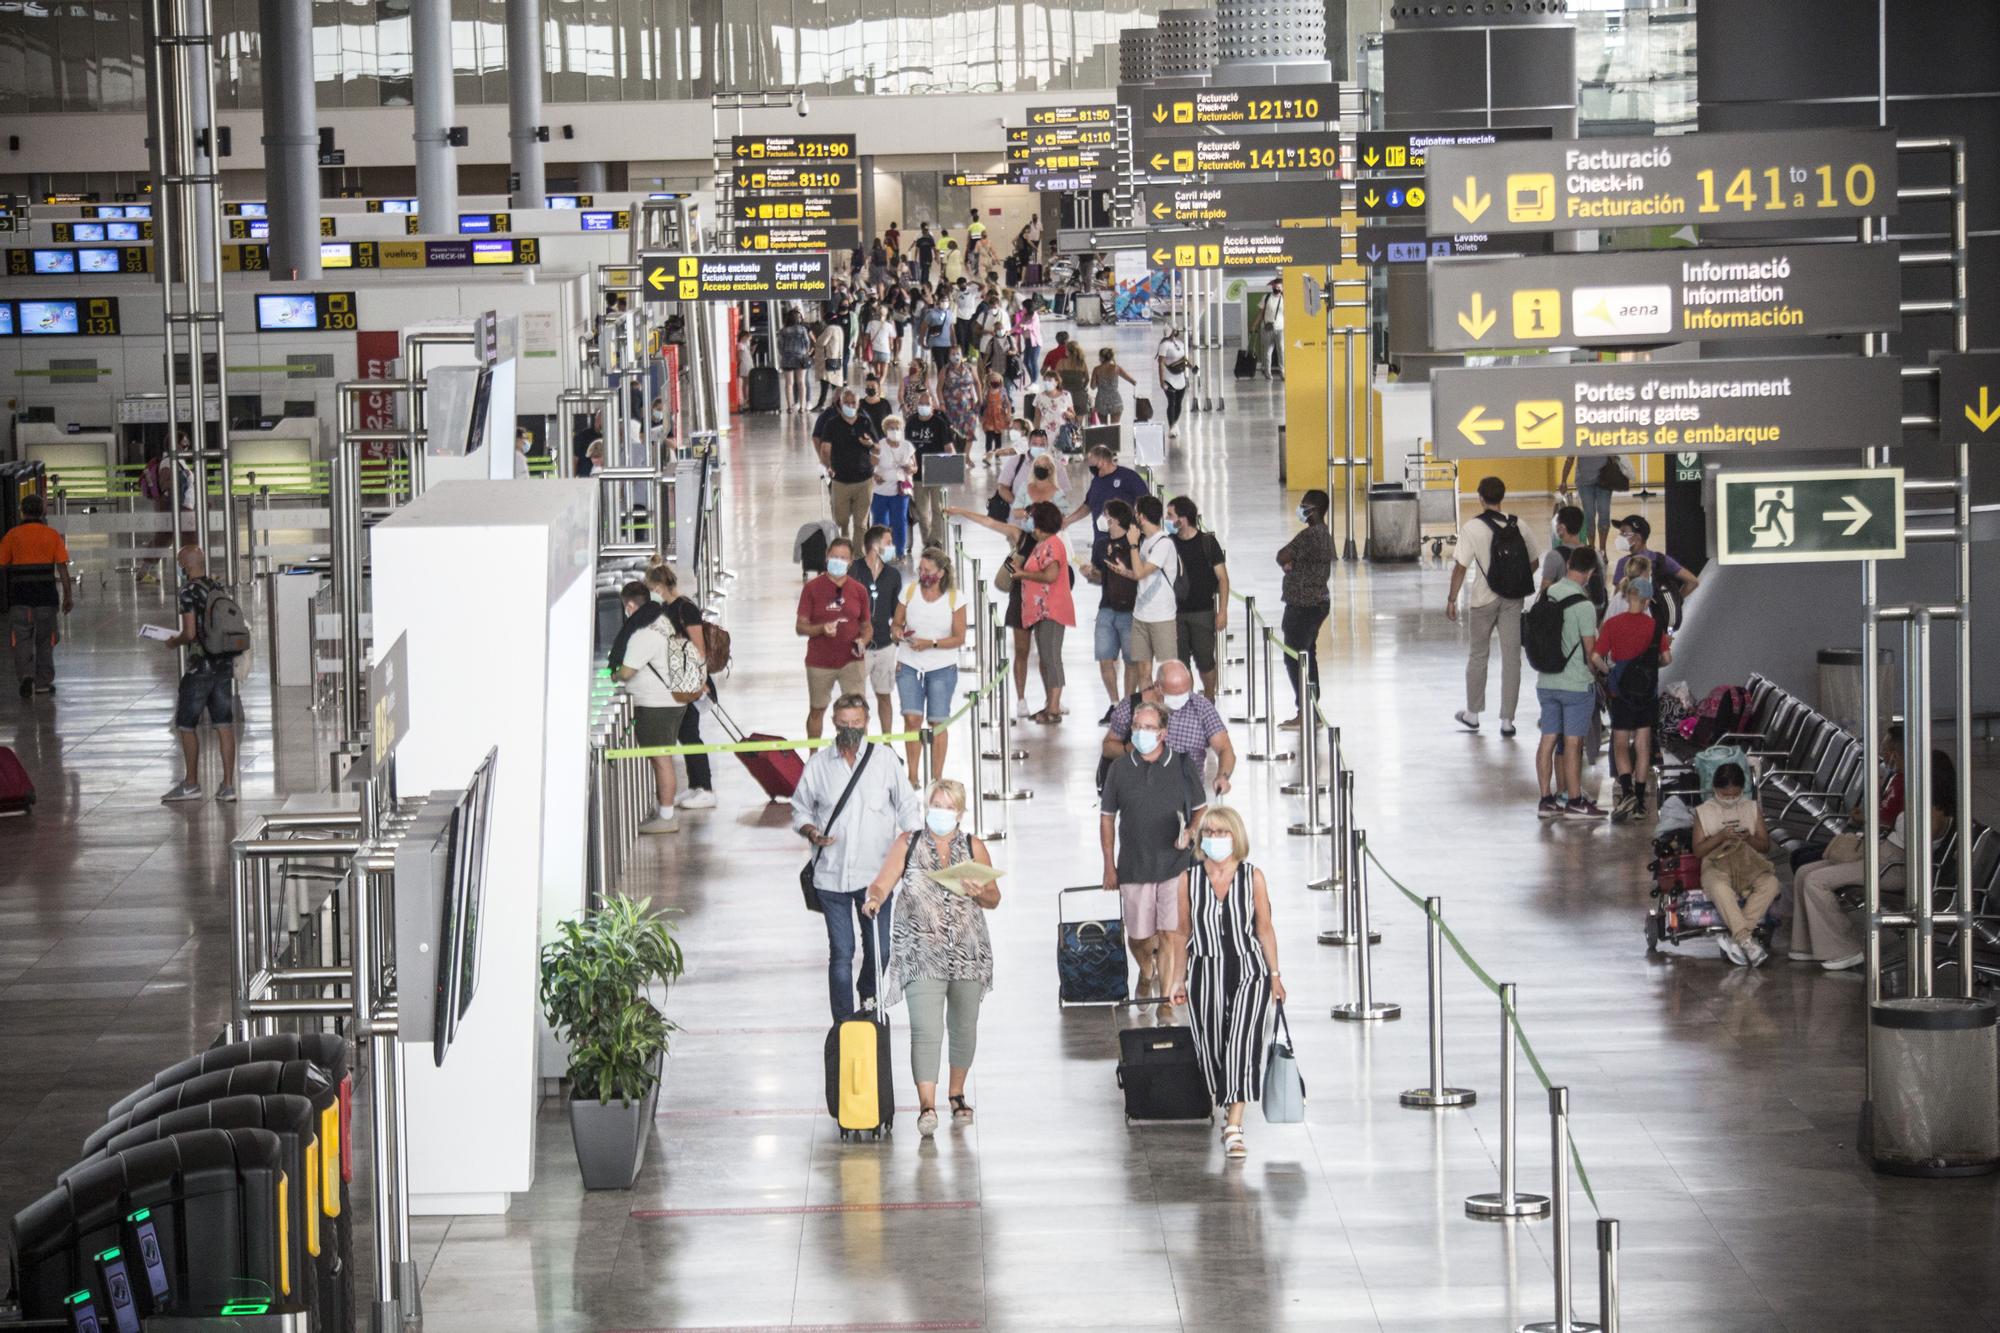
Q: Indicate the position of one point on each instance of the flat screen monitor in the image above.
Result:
(493, 252)
(6, 319)
(108, 211)
(55, 261)
(563, 201)
(286, 312)
(86, 231)
(48, 317)
(97, 261)
(598, 220)
(260, 229)
(336, 254)
(470, 223)
(142, 211)
(399, 205)
(253, 210)
(465, 899)
(121, 231)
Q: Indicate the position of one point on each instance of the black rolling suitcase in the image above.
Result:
(764, 389)
(1090, 955)
(1246, 364)
(1161, 1077)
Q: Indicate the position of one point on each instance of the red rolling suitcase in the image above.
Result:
(17, 789)
(777, 771)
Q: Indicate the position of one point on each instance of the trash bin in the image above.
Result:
(1839, 686)
(1935, 1066)
(1395, 526)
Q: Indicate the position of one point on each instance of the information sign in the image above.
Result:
(797, 208)
(1390, 197)
(1100, 114)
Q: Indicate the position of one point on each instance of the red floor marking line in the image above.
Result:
(920, 1326)
(754, 1112)
(924, 1206)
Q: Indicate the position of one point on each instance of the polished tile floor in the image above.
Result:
(1714, 1109)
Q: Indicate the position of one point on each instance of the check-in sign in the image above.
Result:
(1737, 406)
(1655, 296)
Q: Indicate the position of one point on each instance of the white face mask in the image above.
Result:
(1103, 523)
(1175, 702)
(924, 411)
(1621, 543)
(897, 435)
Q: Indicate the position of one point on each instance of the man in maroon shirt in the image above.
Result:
(834, 622)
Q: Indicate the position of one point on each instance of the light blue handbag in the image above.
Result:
(1284, 1090)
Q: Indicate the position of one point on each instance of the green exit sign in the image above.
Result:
(1775, 518)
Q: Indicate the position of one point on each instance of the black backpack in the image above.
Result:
(1542, 631)
(1638, 680)
(1508, 571)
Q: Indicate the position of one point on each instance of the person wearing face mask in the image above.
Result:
(874, 407)
(829, 355)
(916, 387)
(207, 687)
(1821, 930)
(1568, 698)
(1107, 402)
(1047, 607)
(846, 443)
(884, 584)
(851, 838)
(1155, 568)
(1028, 332)
(1566, 534)
(1735, 851)
(1055, 412)
(959, 393)
(835, 621)
(1195, 728)
(895, 475)
(996, 410)
(935, 327)
(1307, 560)
(1631, 649)
(929, 432)
(928, 630)
(1203, 614)
(1223, 965)
(1669, 575)
(940, 955)
(1112, 640)
(1171, 364)
(1108, 481)
(1150, 800)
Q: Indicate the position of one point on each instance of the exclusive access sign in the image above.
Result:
(1265, 248)
(1645, 296)
(1758, 176)
(745, 277)
(1735, 406)
(1787, 518)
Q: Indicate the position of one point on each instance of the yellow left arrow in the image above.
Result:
(1162, 256)
(657, 279)
(1160, 211)
(1474, 426)
(1160, 161)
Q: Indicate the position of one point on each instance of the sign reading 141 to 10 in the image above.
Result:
(792, 147)
(1655, 296)
(1757, 176)
(1317, 151)
(1789, 518)
(1281, 104)
(1643, 407)
(748, 277)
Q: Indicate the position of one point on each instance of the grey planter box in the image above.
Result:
(610, 1139)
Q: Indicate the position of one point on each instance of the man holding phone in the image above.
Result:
(834, 619)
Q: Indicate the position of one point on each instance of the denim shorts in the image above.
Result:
(1566, 712)
(208, 687)
(926, 692)
(1114, 635)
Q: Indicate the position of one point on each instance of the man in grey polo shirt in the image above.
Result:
(850, 849)
(1152, 797)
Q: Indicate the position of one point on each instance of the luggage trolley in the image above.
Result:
(1435, 481)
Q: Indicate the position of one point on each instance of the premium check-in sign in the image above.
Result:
(1657, 296)
(1264, 248)
(1737, 406)
(1571, 184)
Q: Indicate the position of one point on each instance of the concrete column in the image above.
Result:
(591, 178)
(436, 104)
(524, 101)
(869, 229)
(200, 63)
(291, 138)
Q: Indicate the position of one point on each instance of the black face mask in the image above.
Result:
(849, 738)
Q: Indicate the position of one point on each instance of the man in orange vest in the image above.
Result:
(35, 563)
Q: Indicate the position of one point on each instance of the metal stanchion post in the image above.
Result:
(1559, 1189)
(978, 794)
(1349, 869)
(924, 756)
(1250, 623)
(982, 667)
(1365, 1008)
(1437, 1094)
(1271, 751)
(1607, 1274)
(1506, 1202)
(1226, 658)
(1336, 825)
(1005, 790)
(1309, 784)
(1001, 713)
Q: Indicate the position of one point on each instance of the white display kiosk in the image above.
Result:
(491, 583)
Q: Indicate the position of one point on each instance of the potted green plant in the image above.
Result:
(597, 979)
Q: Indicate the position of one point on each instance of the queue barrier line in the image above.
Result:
(1485, 979)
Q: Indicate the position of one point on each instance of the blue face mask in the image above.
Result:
(1217, 846)
(1145, 739)
(940, 820)
(1643, 589)
(836, 566)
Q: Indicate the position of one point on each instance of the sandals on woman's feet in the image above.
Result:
(927, 1122)
(961, 1111)
(1046, 718)
(1232, 1141)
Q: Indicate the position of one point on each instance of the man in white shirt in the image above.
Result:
(849, 850)
(1155, 612)
(1271, 329)
(1494, 590)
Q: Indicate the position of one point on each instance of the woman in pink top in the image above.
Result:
(1047, 608)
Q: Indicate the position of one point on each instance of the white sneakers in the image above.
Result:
(1733, 951)
(1842, 964)
(661, 823)
(695, 798)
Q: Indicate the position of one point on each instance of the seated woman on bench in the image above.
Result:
(1821, 931)
(1735, 851)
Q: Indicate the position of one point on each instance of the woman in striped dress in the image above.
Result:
(1224, 965)
(939, 951)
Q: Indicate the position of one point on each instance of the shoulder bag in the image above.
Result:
(806, 875)
(1284, 1090)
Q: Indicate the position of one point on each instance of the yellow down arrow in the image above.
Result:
(1474, 427)
(1480, 322)
(1986, 416)
(1369, 157)
(1371, 199)
(1473, 204)
(1159, 113)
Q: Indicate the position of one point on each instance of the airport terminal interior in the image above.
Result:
(938, 665)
